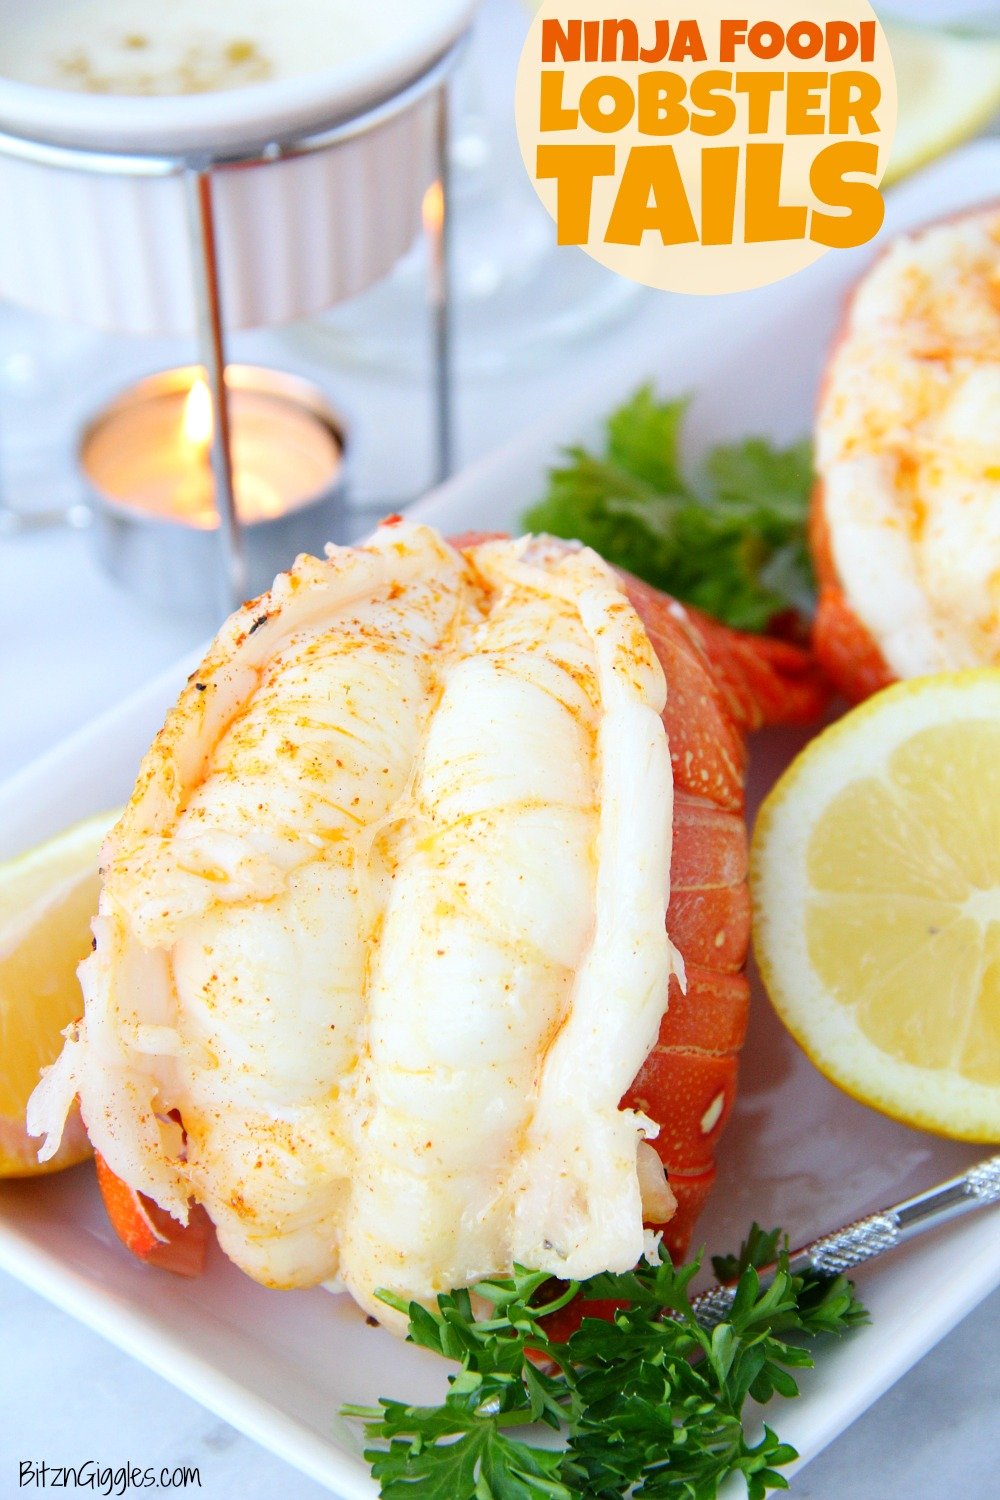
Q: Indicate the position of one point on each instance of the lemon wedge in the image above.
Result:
(875, 877)
(949, 90)
(47, 899)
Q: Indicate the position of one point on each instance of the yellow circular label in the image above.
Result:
(710, 149)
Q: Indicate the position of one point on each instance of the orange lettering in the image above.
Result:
(564, 40)
(627, 32)
(804, 103)
(688, 45)
(711, 91)
(661, 108)
(574, 169)
(759, 87)
(804, 39)
(720, 172)
(552, 114)
(651, 196)
(841, 41)
(731, 35)
(766, 40)
(766, 218)
(865, 207)
(661, 44)
(592, 95)
(854, 96)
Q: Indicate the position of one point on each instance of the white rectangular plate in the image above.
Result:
(797, 1152)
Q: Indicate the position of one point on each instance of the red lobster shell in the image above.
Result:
(721, 685)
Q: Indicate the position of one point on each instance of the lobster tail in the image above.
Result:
(530, 644)
(844, 647)
(721, 685)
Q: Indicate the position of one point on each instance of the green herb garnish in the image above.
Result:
(647, 1404)
(735, 546)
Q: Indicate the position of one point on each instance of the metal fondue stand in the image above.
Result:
(199, 170)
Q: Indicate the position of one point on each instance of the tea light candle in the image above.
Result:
(146, 461)
(150, 449)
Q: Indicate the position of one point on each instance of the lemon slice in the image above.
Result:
(949, 90)
(876, 887)
(47, 900)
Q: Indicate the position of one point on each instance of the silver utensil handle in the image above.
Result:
(843, 1249)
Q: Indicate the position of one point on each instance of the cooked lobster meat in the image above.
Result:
(906, 510)
(421, 939)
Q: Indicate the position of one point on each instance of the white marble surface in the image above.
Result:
(70, 645)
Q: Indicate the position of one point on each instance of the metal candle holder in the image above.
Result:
(199, 171)
(168, 557)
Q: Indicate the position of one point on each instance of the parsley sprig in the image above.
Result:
(733, 544)
(647, 1404)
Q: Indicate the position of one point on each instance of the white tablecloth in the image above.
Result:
(71, 644)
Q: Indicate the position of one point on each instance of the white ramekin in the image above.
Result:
(296, 233)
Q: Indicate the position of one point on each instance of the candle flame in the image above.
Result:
(196, 423)
(432, 210)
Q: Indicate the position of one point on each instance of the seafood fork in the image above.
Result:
(864, 1239)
